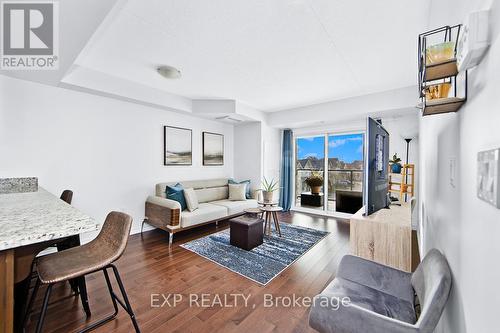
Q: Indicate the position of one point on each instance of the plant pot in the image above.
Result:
(396, 168)
(268, 196)
(315, 189)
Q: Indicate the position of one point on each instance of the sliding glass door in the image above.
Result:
(309, 161)
(341, 155)
(345, 166)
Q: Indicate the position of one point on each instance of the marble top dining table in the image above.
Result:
(27, 219)
(35, 217)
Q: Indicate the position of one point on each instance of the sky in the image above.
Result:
(347, 147)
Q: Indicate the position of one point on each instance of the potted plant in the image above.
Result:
(315, 182)
(268, 189)
(395, 165)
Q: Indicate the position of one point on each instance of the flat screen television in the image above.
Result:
(375, 189)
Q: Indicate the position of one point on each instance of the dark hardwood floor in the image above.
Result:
(150, 267)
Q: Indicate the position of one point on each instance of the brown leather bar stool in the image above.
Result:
(25, 272)
(67, 196)
(64, 244)
(76, 262)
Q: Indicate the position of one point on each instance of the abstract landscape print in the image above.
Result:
(213, 149)
(177, 148)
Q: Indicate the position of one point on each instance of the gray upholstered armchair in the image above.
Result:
(383, 299)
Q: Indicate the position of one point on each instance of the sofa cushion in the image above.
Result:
(237, 192)
(191, 199)
(176, 193)
(205, 212)
(212, 194)
(235, 207)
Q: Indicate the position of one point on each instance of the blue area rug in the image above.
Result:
(264, 262)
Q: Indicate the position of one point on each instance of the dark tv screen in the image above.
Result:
(376, 167)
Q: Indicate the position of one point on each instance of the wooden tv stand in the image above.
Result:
(384, 237)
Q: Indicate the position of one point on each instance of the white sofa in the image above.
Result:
(214, 206)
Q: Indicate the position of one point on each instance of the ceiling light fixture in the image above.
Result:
(169, 72)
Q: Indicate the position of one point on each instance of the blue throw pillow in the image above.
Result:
(247, 182)
(176, 193)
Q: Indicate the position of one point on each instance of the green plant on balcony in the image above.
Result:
(315, 182)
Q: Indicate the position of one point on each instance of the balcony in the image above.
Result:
(338, 179)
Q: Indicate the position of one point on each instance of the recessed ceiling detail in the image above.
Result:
(270, 55)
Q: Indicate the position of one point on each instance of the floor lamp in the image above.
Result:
(407, 155)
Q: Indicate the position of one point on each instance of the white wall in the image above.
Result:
(386, 103)
(400, 128)
(453, 219)
(257, 153)
(248, 153)
(272, 138)
(109, 152)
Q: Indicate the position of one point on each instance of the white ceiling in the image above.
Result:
(268, 54)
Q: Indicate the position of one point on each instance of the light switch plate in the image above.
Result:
(453, 171)
(488, 167)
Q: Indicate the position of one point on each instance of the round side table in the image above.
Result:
(253, 211)
(271, 212)
(268, 203)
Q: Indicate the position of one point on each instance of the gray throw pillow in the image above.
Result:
(191, 199)
(237, 192)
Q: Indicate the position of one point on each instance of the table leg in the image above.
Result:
(268, 223)
(265, 222)
(21, 292)
(276, 223)
(7, 291)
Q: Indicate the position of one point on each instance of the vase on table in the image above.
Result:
(267, 196)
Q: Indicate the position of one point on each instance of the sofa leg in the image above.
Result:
(170, 238)
(142, 225)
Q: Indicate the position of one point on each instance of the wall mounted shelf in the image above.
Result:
(443, 105)
(446, 71)
(441, 70)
